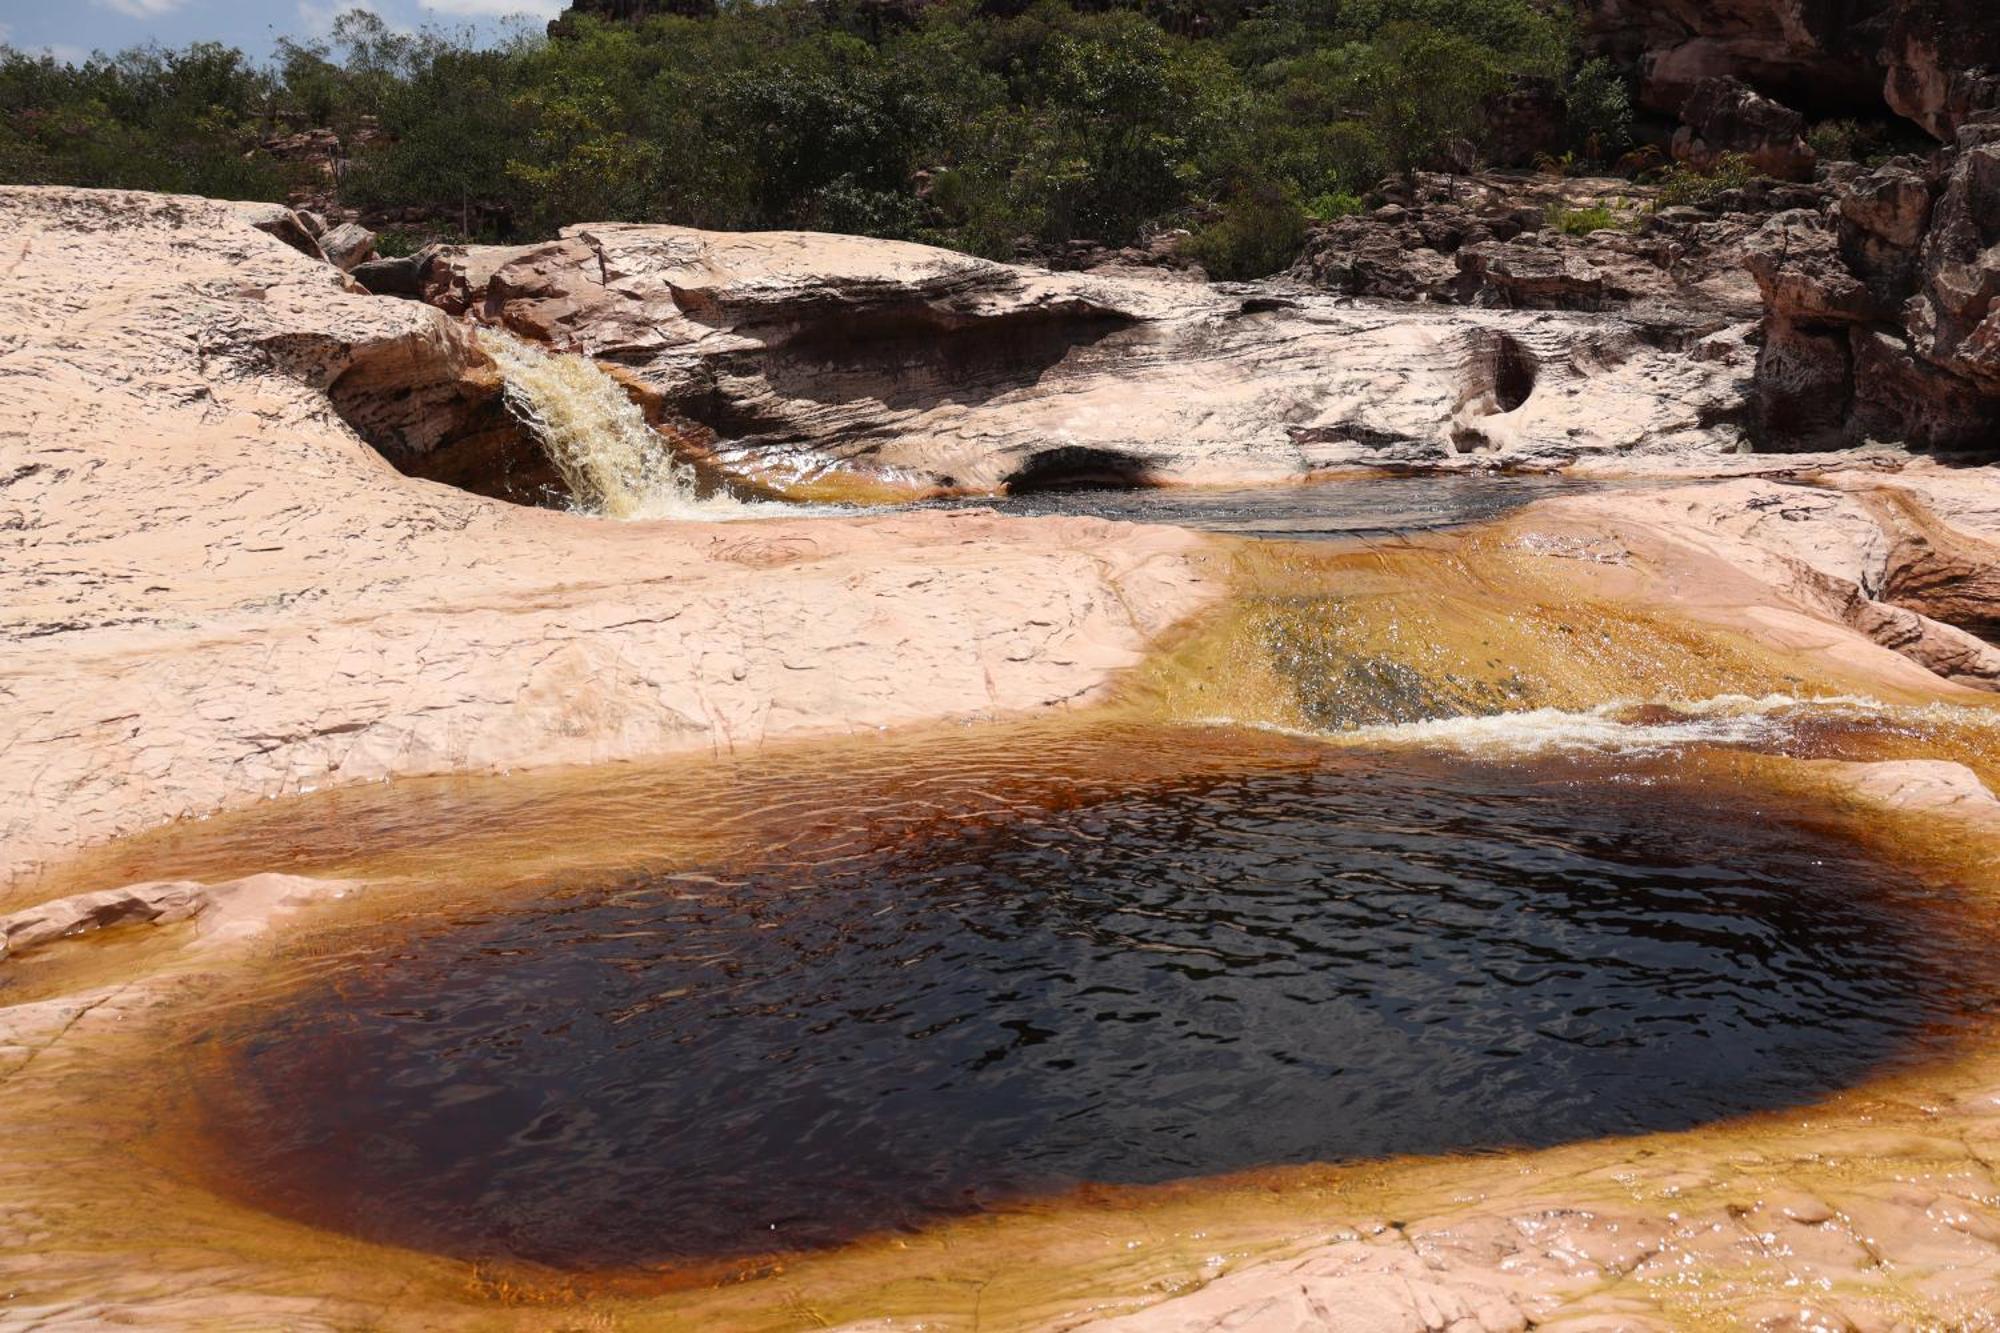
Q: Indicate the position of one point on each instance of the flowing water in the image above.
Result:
(612, 461)
(1001, 986)
(1409, 848)
(1362, 506)
(616, 465)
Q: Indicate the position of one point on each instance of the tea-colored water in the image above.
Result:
(963, 990)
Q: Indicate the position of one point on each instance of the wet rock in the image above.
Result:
(218, 591)
(157, 903)
(1726, 115)
(874, 363)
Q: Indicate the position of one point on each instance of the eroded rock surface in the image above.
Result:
(1881, 320)
(212, 589)
(833, 365)
(1929, 60)
(1492, 241)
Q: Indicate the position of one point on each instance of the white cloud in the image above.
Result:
(142, 9)
(541, 9)
(6, 34)
(317, 16)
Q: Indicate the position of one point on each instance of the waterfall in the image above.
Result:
(614, 463)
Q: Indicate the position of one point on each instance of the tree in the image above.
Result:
(1423, 88)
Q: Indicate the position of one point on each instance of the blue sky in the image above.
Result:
(73, 28)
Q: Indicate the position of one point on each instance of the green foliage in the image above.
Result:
(1583, 221)
(1599, 107)
(988, 125)
(1260, 231)
(1423, 87)
(1684, 184)
(1853, 141)
(1331, 207)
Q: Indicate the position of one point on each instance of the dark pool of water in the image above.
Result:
(1370, 956)
(1349, 508)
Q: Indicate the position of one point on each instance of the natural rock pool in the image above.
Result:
(1367, 506)
(970, 997)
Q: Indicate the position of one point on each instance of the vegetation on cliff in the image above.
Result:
(988, 126)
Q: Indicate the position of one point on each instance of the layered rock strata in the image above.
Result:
(835, 366)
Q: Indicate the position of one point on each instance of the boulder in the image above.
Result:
(1727, 116)
(1799, 268)
(348, 246)
(1534, 277)
(1943, 62)
(156, 903)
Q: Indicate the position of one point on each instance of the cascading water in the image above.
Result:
(614, 463)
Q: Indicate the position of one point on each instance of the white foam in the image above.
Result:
(614, 463)
(1622, 727)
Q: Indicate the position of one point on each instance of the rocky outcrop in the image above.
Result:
(160, 903)
(833, 367)
(1881, 320)
(213, 590)
(1932, 61)
(1943, 60)
(1727, 116)
(1492, 242)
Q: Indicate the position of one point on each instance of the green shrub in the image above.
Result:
(1260, 231)
(978, 124)
(1684, 184)
(1333, 206)
(1583, 221)
(1850, 141)
(1599, 107)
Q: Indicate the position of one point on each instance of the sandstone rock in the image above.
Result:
(1889, 309)
(348, 246)
(1807, 52)
(1798, 266)
(214, 591)
(1883, 217)
(1726, 115)
(1485, 241)
(281, 222)
(799, 362)
(1943, 59)
(1805, 388)
(136, 904)
(1534, 277)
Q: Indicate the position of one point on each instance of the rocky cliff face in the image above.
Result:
(1930, 61)
(1881, 321)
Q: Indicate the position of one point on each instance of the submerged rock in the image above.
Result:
(136, 904)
